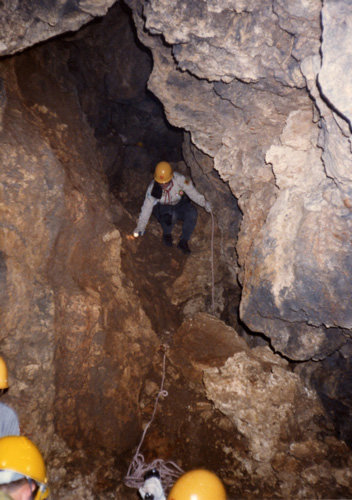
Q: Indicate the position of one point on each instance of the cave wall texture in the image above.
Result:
(283, 151)
(261, 91)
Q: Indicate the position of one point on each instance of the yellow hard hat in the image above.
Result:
(3, 374)
(163, 172)
(18, 455)
(198, 484)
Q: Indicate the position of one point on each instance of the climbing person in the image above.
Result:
(22, 470)
(169, 198)
(9, 425)
(198, 484)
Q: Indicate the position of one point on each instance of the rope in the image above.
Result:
(212, 265)
(169, 471)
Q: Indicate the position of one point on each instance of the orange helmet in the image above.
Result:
(3, 374)
(198, 484)
(19, 457)
(163, 172)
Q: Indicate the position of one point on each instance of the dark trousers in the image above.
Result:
(168, 215)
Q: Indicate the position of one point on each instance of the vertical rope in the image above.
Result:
(212, 265)
(168, 471)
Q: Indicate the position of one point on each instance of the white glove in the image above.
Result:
(208, 207)
(137, 232)
(152, 488)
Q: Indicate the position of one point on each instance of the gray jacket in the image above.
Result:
(179, 185)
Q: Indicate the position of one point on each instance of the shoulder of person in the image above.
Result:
(150, 188)
(181, 179)
(4, 496)
(4, 408)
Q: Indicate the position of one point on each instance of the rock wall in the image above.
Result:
(262, 89)
(247, 83)
(74, 334)
(26, 23)
(241, 78)
(289, 445)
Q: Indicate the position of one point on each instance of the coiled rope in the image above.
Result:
(169, 471)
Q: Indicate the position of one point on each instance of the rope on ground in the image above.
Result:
(212, 265)
(169, 471)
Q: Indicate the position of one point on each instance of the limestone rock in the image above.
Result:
(302, 258)
(270, 406)
(334, 75)
(240, 78)
(218, 43)
(260, 400)
(27, 23)
(289, 173)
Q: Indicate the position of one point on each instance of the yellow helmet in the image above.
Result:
(198, 484)
(21, 457)
(3, 374)
(163, 172)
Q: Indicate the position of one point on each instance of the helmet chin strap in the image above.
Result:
(33, 486)
(38, 490)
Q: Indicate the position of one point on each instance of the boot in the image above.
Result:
(167, 240)
(183, 245)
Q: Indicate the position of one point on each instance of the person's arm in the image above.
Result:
(146, 212)
(194, 195)
(9, 425)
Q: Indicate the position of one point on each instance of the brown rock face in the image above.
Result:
(74, 333)
(86, 312)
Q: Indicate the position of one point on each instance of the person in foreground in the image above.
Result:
(22, 470)
(197, 484)
(9, 425)
(169, 197)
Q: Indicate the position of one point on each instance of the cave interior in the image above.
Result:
(91, 314)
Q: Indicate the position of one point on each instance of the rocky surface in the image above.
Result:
(26, 23)
(73, 331)
(282, 421)
(280, 144)
(250, 111)
(260, 92)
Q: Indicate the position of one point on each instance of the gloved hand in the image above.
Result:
(152, 489)
(137, 232)
(208, 207)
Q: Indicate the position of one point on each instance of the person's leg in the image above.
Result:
(186, 212)
(167, 218)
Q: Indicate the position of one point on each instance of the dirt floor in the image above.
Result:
(187, 429)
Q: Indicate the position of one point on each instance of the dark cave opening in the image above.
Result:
(111, 69)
